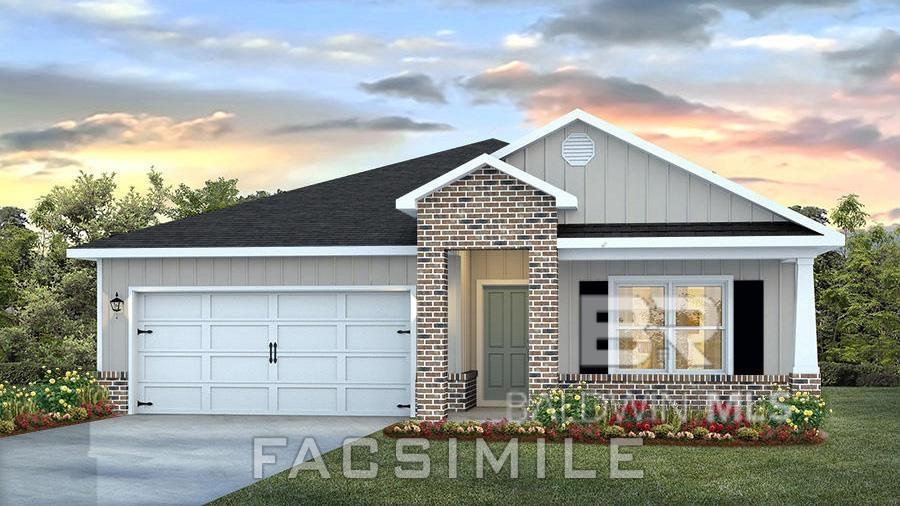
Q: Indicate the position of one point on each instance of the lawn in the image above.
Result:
(860, 463)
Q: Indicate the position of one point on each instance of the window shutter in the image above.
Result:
(598, 317)
(748, 327)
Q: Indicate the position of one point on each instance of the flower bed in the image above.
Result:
(782, 418)
(60, 398)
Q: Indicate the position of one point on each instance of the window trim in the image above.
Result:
(727, 283)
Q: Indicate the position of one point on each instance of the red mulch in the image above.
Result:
(57, 425)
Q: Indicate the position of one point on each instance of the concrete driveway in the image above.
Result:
(157, 459)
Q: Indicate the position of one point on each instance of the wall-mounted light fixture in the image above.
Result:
(116, 305)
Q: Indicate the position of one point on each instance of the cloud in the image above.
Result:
(380, 124)
(416, 86)
(890, 215)
(812, 135)
(879, 58)
(784, 42)
(546, 94)
(754, 179)
(117, 127)
(629, 22)
(516, 41)
(37, 164)
(634, 22)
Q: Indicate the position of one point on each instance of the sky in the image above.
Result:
(796, 99)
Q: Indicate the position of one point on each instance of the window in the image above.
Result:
(676, 324)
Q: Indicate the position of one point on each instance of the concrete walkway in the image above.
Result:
(157, 459)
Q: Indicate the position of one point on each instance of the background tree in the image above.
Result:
(849, 214)
(48, 301)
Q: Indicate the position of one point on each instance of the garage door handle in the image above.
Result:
(142, 331)
(402, 405)
(270, 353)
(403, 332)
(276, 353)
(144, 403)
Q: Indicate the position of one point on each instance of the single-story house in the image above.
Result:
(467, 277)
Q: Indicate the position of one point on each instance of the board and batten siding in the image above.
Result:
(120, 274)
(778, 299)
(625, 184)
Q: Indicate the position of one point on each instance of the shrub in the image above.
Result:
(565, 406)
(31, 421)
(747, 434)
(700, 431)
(60, 393)
(634, 415)
(801, 411)
(862, 375)
(878, 379)
(15, 400)
(613, 431)
(7, 426)
(663, 430)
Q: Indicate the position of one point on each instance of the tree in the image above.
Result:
(849, 215)
(214, 195)
(10, 215)
(812, 212)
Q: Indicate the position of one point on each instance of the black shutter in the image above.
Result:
(602, 341)
(748, 327)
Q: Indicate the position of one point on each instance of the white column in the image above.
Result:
(805, 357)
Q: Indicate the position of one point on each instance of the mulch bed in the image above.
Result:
(57, 425)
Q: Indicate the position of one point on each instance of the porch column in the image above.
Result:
(805, 352)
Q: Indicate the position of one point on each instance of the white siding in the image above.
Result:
(778, 310)
(625, 184)
(120, 274)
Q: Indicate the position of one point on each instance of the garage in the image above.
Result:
(313, 351)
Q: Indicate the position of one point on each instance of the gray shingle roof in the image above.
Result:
(355, 210)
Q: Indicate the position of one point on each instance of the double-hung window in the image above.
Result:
(675, 324)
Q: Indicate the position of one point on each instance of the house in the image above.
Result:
(580, 252)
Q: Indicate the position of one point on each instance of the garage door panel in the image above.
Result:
(378, 369)
(381, 306)
(239, 337)
(307, 369)
(377, 337)
(239, 306)
(172, 306)
(173, 399)
(239, 399)
(376, 400)
(338, 352)
(308, 306)
(307, 400)
(307, 337)
(172, 368)
(232, 368)
(171, 337)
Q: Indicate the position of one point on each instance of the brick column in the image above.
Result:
(485, 210)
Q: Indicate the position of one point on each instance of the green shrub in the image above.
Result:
(800, 411)
(7, 426)
(613, 431)
(747, 434)
(663, 430)
(878, 379)
(700, 431)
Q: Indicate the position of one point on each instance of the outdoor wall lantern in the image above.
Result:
(116, 304)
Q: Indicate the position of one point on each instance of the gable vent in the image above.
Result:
(578, 149)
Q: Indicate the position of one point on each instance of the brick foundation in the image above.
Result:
(692, 391)
(462, 391)
(485, 210)
(806, 383)
(117, 384)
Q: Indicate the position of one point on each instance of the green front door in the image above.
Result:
(505, 342)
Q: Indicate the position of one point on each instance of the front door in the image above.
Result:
(505, 342)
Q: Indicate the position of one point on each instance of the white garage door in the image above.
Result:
(302, 352)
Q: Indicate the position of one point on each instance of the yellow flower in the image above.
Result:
(52, 380)
(807, 413)
(551, 411)
(781, 399)
(577, 397)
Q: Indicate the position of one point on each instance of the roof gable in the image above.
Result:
(407, 203)
(673, 159)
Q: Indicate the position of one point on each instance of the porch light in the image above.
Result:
(116, 304)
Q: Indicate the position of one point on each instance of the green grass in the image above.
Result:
(860, 463)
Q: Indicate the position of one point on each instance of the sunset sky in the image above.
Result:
(796, 99)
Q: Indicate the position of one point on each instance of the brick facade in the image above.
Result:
(691, 390)
(485, 210)
(117, 384)
(806, 382)
(462, 391)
